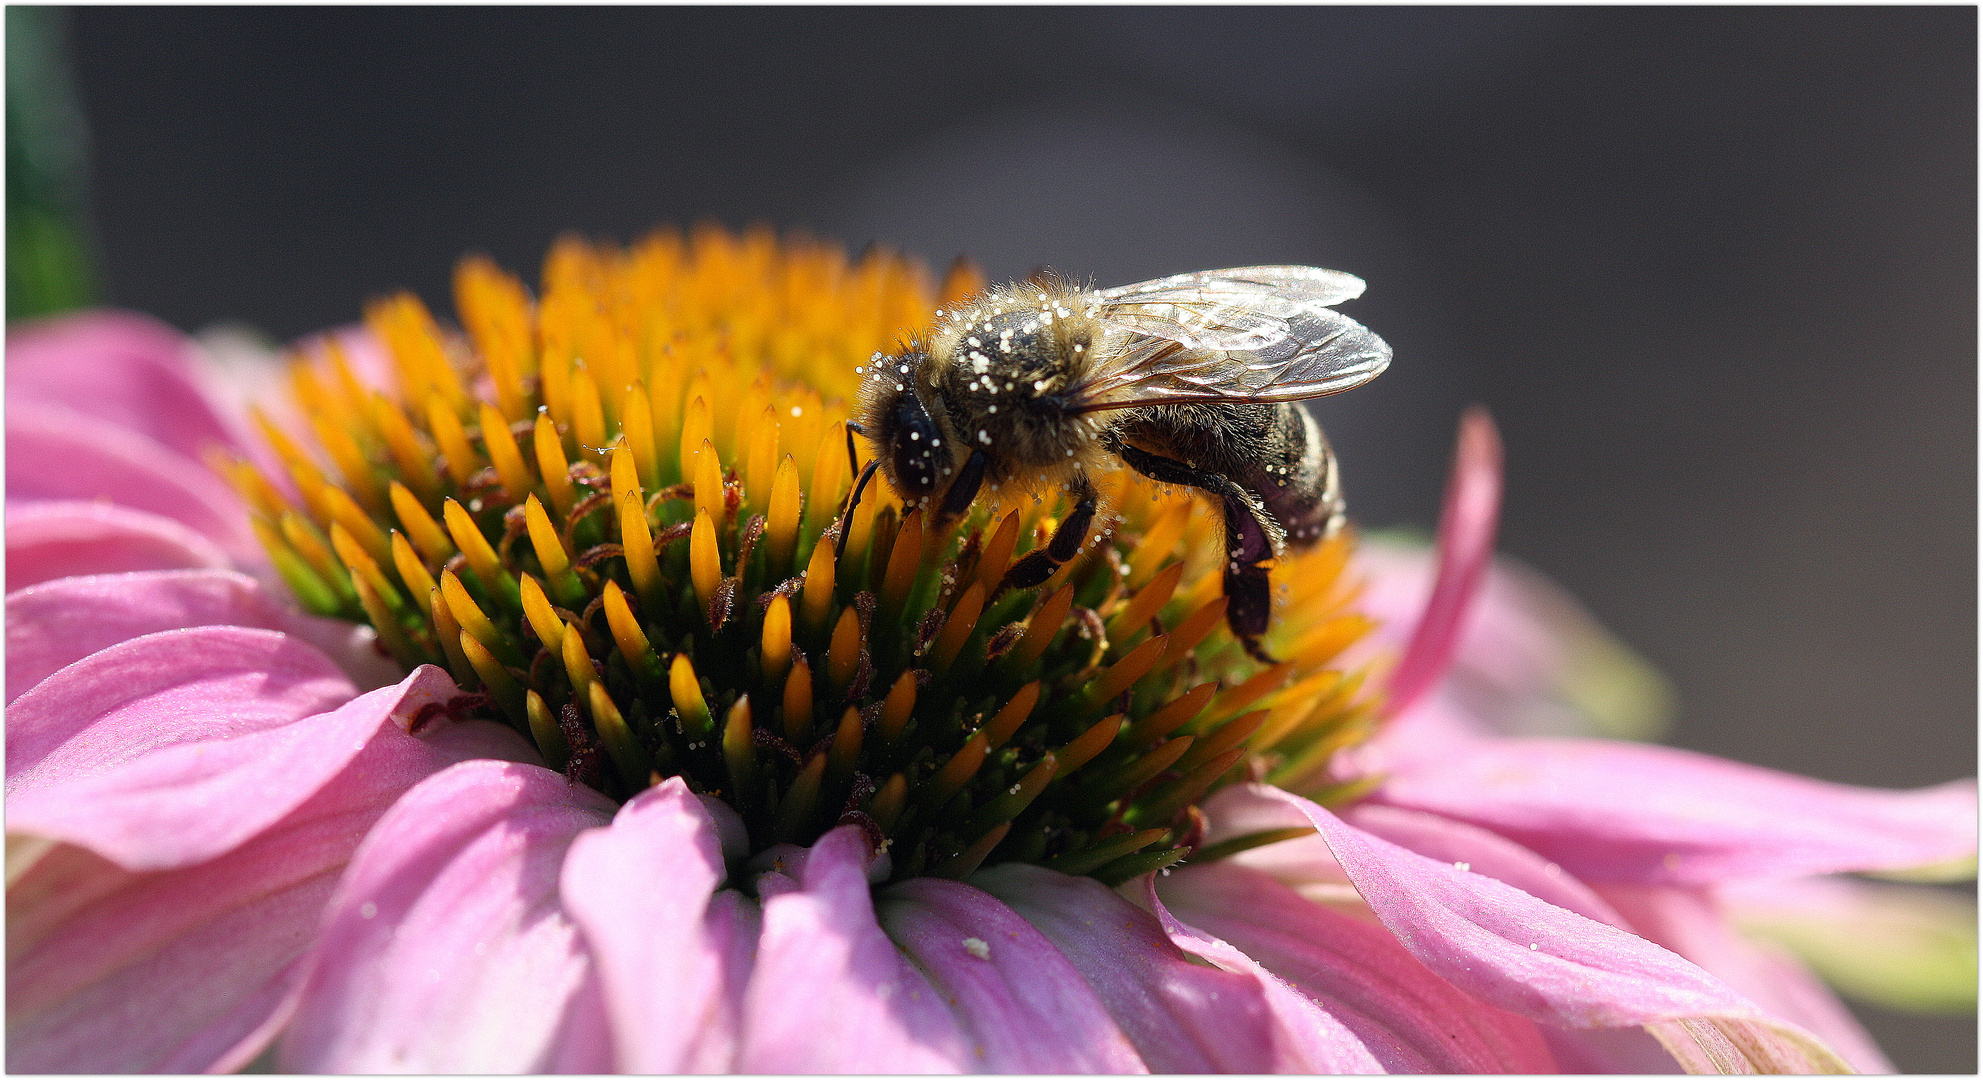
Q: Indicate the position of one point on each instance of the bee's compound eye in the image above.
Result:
(912, 448)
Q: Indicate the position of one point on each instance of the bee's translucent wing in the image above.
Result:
(1254, 334)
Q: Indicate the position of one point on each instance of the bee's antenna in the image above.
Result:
(853, 500)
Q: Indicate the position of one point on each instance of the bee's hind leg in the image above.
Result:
(1038, 565)
(1249, 542)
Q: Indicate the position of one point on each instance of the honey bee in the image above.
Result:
(1192, 379)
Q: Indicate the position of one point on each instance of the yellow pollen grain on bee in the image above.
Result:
(552, 465)
(452, 439)
(705, 561)
(537, 608)
(411, 571)
(421, 528)
(503, 454)
(775, 640)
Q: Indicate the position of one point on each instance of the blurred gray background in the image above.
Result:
(1713, 269)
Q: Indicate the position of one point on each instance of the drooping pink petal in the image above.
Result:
(1466, 547)
(1484, 853)
(831, 993)
(170, 749)
(1411, 1019)
(1518, 953)
(119, 367)
(1182, 1017)
(1686, 921)
(1305, 1033)
(50, 540)
(55, 624)
(183, 970)
(1023, 1005)
(641, 892)
(55, 453)
(1630, 812)
(1476, 933)
(446, 948)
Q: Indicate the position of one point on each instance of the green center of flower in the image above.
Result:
(592, 511)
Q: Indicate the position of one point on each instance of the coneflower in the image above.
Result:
(620, 512)
(683, 759)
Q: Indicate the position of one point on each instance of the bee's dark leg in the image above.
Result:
(1249, 601)
(965, 488)
(1040, 564)
(853, 500)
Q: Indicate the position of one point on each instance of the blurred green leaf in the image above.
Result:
(48, 251)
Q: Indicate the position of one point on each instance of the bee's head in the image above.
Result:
(909, 437)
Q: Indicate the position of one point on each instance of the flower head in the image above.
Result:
(622, 514)
(691, 761)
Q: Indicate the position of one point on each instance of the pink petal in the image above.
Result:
(641, 892)
(120, 367)
(831, 993)
(1686, 920)
(1411, 1019)
(1182, 1017)
(1466, 547)
(1629, 812)
(53, 625)
(445, 948)
(1307, 1036)
(1477, 934)
(185, 969)
(59, 622)
(1484, 853)
(170, 749)
(1024, 1006)
(57, 453)
(49, 540)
